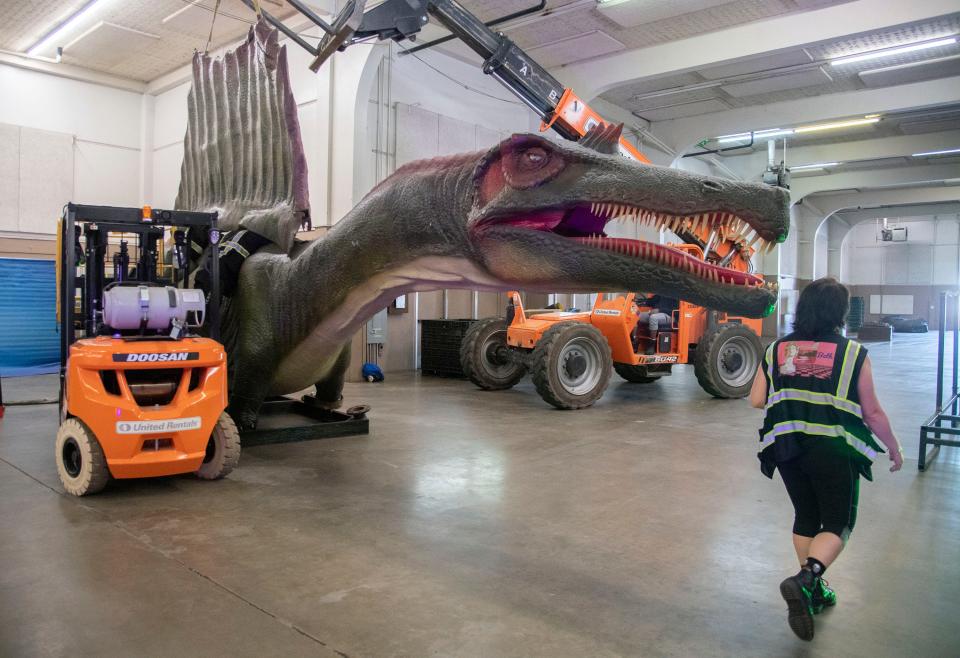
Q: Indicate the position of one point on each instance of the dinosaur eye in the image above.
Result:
(528, 162)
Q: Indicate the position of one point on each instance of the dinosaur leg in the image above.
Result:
(329, 390)
(250, 385)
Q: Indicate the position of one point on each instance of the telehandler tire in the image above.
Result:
(726, 360)
(634, 374)
(571, 365)
(479, 356)
(223, 450)
(81, 465)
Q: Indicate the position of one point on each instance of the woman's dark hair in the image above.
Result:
(822, 308)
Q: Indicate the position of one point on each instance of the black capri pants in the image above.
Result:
(824, 486)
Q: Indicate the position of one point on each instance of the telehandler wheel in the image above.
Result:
(481, 356)
(571, 365)
(634, 374)
(726, 361)
(223, 450)
(81, 465)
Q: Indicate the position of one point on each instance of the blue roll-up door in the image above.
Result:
(29, 343)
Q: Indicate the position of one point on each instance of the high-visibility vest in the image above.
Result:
(812, 394)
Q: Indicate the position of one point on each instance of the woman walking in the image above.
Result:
(822, 414)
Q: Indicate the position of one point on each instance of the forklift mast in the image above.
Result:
(558, 107)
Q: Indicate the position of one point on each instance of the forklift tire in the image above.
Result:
(726, 360)
(479, 360)
(223, 450)
(571, 365)
(634, 374)
(81, 465)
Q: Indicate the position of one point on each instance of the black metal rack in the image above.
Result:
(947, 411)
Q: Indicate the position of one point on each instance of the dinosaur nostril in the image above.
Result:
(712, 186)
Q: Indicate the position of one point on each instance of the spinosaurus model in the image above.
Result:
(526, 214)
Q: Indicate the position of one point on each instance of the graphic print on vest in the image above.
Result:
(806, 358)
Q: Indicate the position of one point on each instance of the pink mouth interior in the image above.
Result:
(584, 226)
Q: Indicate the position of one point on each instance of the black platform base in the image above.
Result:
(283, 420)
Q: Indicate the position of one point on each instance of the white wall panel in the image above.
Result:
(456, 136)
(170, 116)
(106, 175)
(89, 111)
(895, 264)
(417, 133)
(166, 175)
(920, 264)
(867, 265)
(945, 265)
(46, 178)
(948, 231)
(9, 177)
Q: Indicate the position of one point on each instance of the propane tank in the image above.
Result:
(152, 307)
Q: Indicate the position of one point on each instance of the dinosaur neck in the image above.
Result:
(408, 235)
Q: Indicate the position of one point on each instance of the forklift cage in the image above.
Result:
(144, 223)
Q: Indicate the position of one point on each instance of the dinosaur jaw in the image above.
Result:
(585, 224)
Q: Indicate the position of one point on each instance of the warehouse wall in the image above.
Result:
(59, 144)
(909, 274)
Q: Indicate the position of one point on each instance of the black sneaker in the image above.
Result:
(823, 596)
(797, 591)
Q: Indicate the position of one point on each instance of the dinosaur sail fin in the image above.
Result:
(603, 138)
(243, 155)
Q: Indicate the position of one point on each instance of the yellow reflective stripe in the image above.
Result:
(846, 371)
(818, 429)
(227, 247)
(814, 398)
(770, 365)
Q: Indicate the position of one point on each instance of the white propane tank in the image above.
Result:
(130, 307)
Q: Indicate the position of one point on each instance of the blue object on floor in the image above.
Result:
(372, 373)
(29, 343)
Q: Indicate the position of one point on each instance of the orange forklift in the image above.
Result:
(570, 354)
(141, 393)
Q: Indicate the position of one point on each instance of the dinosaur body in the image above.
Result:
(528, 213)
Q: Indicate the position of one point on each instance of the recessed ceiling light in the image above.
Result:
(890, 52)
(836, 124)
(64, 27)
(944, 152)
(819, 165)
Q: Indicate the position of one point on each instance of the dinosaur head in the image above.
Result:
(540, 210)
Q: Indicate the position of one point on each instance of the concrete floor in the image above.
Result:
(478, 524)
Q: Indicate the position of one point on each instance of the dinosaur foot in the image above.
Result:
(313, 401)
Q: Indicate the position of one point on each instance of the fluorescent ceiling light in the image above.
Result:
(945, 152)
(57, 32)
(819, 165)
(890, 52)
(836, 124)
(757, 134)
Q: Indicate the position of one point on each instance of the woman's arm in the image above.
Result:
(758, 392)
(875, 417)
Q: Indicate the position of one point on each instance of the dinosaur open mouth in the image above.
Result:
(586, 223)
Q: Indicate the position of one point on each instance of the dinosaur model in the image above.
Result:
(526, 214)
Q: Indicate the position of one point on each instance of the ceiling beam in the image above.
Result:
(795, 30)
(684, 133)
